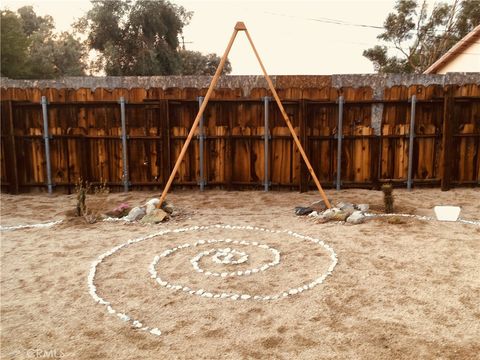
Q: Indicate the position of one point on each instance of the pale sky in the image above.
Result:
(292, 37)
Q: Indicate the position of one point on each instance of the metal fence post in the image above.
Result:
(124, 144)
(266, 136)
(410, 143)
(201, 139)
(339, 142)
(46, 138)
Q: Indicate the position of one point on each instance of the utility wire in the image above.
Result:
(338, 22)
(326, 20)
(346, 23)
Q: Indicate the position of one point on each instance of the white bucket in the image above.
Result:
(447, 213)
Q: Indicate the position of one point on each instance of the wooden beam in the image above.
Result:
(289, 124)
(200, 113)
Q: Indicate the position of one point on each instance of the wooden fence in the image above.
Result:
(85, 137)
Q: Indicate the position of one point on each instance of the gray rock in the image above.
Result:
(362, 207)
(300, 210)
(151, 205)
(357, 217)
(346, 207)
(155, 217)
(320, 219)
(135, 214)
(168, 207)
(327, 214)
(335, 214)
(319, 205)
(149, 208)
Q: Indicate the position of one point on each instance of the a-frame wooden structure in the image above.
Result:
(240, 26)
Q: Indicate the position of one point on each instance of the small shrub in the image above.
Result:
(396, 220)
(102, 188)
(388, 197)
(81, 189)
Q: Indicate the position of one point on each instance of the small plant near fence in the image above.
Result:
(82, 188)
(388, 197)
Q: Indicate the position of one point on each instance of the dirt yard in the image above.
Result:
(402, 288)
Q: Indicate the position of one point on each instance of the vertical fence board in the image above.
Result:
(86, 136)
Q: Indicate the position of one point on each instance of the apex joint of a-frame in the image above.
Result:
(240, 26)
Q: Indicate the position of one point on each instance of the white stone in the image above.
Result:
(357, 217)
(363, 207)
(149, 208)
(123, 317)
(155, 331)
(154, 201)
(135, 214)
(233, 257)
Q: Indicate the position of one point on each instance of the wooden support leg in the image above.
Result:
(289, 124)
(199, 115)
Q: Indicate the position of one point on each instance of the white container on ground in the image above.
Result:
(447, 213)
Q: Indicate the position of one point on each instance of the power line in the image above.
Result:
(326, 20)
(339, 22)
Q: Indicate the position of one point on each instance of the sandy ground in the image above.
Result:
(403, 290)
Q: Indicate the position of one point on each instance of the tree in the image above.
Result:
(14, 45)
(418, 38)
(32, 22)
(31, 49)
(67, 52)
(195, 63)
(141, 38)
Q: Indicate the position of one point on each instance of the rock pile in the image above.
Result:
(342, 211)
(147, 213)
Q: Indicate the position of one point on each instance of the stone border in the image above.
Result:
(155, 331)
(242, 259)
(28, 226)
(426, 218)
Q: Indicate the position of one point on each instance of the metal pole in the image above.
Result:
(410, 144)
(339, 141)
(266, 136)
(201, 138)
(46, 138)
(124, 144)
